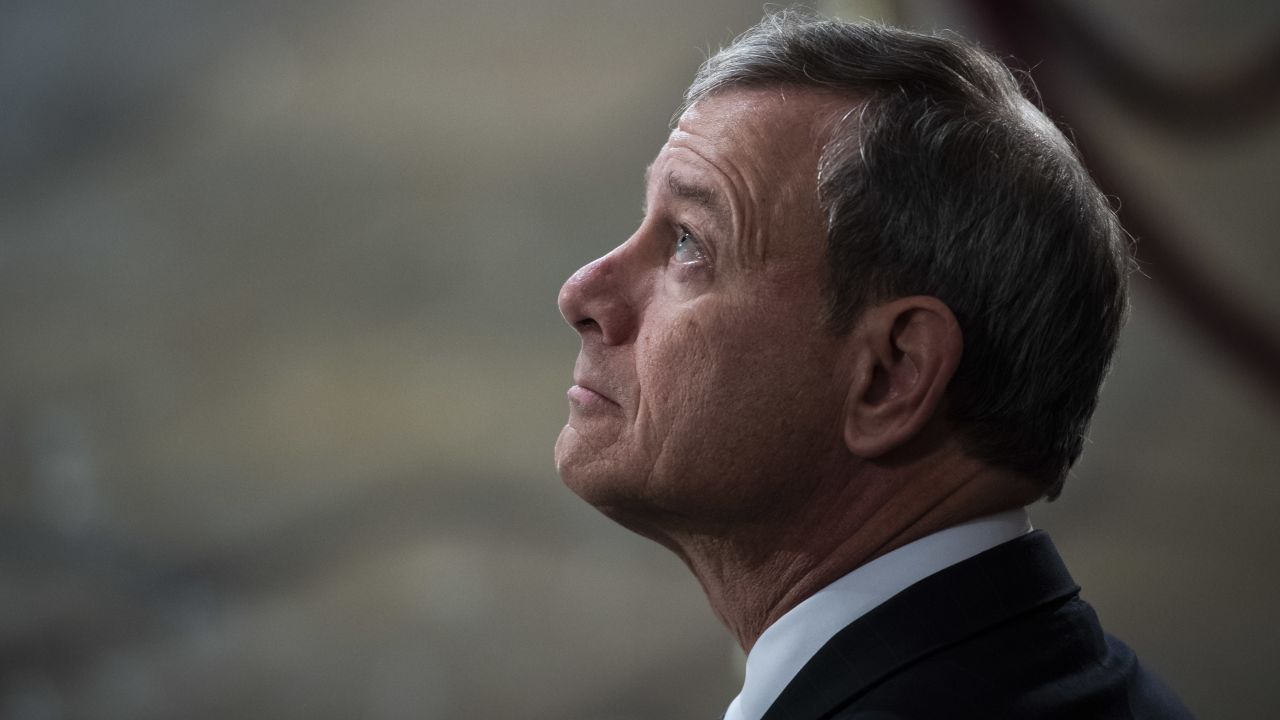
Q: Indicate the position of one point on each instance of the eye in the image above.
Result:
(688, 250)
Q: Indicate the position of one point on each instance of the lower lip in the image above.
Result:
(587, 398)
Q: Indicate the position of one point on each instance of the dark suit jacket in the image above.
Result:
(1003, 634)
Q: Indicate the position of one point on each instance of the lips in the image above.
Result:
(584, 393)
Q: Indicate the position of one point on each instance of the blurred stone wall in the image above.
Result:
(281, 366)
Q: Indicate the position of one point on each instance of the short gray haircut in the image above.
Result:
(945, 180)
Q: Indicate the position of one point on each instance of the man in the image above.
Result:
(862, 325)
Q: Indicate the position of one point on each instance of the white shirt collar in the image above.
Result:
(787, 644)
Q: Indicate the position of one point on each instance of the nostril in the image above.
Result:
(586, 324)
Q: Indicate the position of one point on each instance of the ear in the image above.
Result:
(904, 353)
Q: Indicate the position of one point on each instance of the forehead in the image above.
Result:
(755, 153)
(772, 122)
(760, 143)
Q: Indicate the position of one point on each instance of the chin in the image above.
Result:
(597, 487)
(581, 465)
(571, 453)
(596, 477)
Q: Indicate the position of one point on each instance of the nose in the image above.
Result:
(594, 300)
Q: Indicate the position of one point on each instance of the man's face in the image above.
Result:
(706, 386)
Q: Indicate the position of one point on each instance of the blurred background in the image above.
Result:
(281, 366)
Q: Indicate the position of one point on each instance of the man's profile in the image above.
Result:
(861, 326)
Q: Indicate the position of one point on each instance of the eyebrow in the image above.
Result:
(701, 194)
(704, 195)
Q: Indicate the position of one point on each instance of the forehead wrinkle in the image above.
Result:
(743, 205)
(772, 143)
(775, 191)
(748, 208)
(753, 223)
(744, 196)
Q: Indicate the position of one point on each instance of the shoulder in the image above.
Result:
(1003, 634)
(1053, 662)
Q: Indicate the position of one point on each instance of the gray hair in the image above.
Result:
(945, 180)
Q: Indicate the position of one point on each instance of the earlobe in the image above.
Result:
(903, 355)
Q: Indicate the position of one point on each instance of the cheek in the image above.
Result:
(677, 370)
(712, 389)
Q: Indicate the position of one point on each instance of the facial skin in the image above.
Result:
(708, 391)
(712, 409)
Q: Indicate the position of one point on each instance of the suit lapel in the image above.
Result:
(944, 608)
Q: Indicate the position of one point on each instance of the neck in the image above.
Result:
(753, 575)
